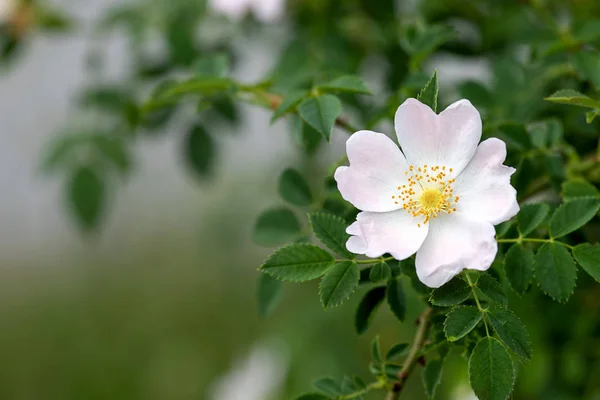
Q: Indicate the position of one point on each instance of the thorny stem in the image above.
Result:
(481, 309)
(413, 355)
(521, 239)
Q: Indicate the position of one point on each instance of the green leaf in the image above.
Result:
(573, 215)
(313, 396)
(269, 292)
(491, 370)
(490, 287)
(380, 272)
(547, 133)
(518, 266)
(397, 351)
(454, 292)
(289, 102)
(321, 113)
(555, 271)
(331, 230)
(346, 83)
(587, 63)
(429, 94)
(86, 196)
(574, 98)
(298, 263)
(214, 65)
(511, 331)
(588, 256)
(396, 298)
(376, 350)
(328, 386)
(339, 284)
(199, 151)
(515, 134)
(367, 307)
(276, 226)
(574, 189)
(460, 322)
(432, 376)
(294, 189)
(590, 116)
(305, 136)
(530, 216)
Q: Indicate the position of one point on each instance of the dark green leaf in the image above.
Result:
(289, 102)
(331, 230)
(511, 331)
(515, 134)
(376, 350)
(518, 265)
(396, 298)
(590, 116)
(86, 196)
(571, 97)
(460, 322)
(587, 63)
(269, 292)
(555, 271)
(367, 307)
(530, 216)
(490, 287)
(298, 263)
(397, 351)
(573, 215)
(199, 151)
(432, 376)
(588, 256)
(339, 284)
(454, 292)
(294, 188)
(312, 396)
(574, 189)
(380, 272)
(113, 149)
(491, 370)
(306, 136)
(321, 113)
(276, 226)
(429, 94)
(328, 386)
(346, 83)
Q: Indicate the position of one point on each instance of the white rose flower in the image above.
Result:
(439, 197)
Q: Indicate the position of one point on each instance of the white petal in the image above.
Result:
(394, 232)
(455, 243)
(376, 170)
(449, 138)
(484, 185)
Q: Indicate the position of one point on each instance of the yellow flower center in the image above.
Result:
(435, 194)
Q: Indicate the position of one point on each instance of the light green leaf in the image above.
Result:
(587, 63)
(590, 116)
(530, 216)
(289, 102)
(429, 94)
(573, 215)
(199, 151)
(588, 256)
(454, 292)
(306, 137)
(572, 97)
(269, 292)
(491, 370)
(380, 272)
(511, 331)
(294, 189)
(432, 376)
(460, 322)
(518, 266)
(346, 83)
(331, 230)
(86, 196)
(576, 188)
(491, 288)
(214, 65)
(376, 350)
(276, 226)
(367, 307)
(328, 386)
(397, 351)
(339, 284)
(396, 298)
(321, 113)
(555, 271)
(298, 263)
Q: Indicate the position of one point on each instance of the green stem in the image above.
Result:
(371, 386)
(534, 240)
(482, 310)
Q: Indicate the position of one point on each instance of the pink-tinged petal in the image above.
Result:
(376, 170)
(455, 243)
(394, 232)
(449, 138)
(484, 189)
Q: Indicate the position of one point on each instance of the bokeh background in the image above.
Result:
(159, 302)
